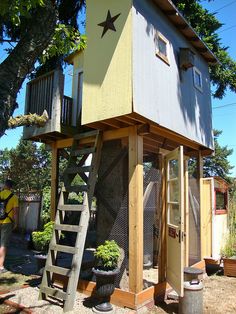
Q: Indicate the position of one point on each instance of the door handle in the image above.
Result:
(181, 236)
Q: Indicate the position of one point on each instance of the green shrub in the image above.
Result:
(107, 255)
(229, 248)
(46, 208)
(41, 239)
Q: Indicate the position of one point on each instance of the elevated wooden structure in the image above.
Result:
(160, 110)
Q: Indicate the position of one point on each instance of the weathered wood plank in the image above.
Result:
(63, 248)
(71, 228)
(83, 151)
(135, 211)
(54, 292)
(58, 270)
(70, 207)
(163, 249)
(54, 180)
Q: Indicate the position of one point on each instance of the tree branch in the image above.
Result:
(28, 120)
(21, 60)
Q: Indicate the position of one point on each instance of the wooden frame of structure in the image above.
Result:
(136, 297)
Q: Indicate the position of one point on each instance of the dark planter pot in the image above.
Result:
(40, 261)
(105, 286)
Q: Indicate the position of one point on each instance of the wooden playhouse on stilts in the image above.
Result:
(140, 108)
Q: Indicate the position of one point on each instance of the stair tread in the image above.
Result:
(63, 248)
(64, 227)
(86, 134)
(71, 207)
(83, 151)
(54, 292)
(59, 270)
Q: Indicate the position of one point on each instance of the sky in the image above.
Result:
(224, 111)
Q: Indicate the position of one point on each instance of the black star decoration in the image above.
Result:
(109, 23)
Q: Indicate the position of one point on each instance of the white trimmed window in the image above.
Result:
(197, 79)
(162, 47)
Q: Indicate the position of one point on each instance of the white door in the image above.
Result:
(175, 219)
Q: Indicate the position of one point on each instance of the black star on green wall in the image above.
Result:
(109, 23)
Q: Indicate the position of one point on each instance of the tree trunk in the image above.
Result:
(20, 62)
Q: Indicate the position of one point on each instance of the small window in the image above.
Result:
(221, 201)
(197, 79)
(162, 47)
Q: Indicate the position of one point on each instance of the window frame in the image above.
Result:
(197, 71)
(221, 211)
(165, 58)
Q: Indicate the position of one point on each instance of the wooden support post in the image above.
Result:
(187, 234)
(157, 215)
(135, 211)
(163, 248)
(200, 180)
(54, 180)
(58, 91)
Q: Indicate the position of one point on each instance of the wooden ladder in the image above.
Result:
(84, 145)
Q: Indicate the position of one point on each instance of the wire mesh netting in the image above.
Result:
(194, 221)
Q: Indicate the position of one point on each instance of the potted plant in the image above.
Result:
(106, 270)
(41, 240)
(229, 255)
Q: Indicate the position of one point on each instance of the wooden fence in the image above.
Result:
(29, 211)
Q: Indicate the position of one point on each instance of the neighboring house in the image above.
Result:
(215, 199)
(144, 81)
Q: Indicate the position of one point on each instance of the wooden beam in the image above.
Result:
(144, 129)
(187, 235)
(54, 180)
(119, 297)
(58, 91)
(135, 211)
(107, 136)
(200, 182)
(163, 249)
(174, 137)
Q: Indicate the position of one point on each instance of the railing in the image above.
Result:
(66, 110)
(40, 94)
(46, 93)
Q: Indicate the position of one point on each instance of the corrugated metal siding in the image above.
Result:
(158, 92)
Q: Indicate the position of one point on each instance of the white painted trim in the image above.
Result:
(200, 88)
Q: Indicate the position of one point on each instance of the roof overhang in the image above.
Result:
(70, 58)
(176, 18)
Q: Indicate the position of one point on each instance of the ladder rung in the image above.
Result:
(72, 208)
(63, 248)
(54, 292)
(72, 228)
(85, 134)
(77, 188)
(74, 170)
(58, 270)
(83, 151)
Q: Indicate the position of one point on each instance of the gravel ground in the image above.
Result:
(28, 297)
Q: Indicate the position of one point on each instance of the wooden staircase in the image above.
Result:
(84, 145)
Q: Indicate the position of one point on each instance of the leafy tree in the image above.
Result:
(216, 165)
(206, 24)
(37, 30)
(27, 165)
(4, 164)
